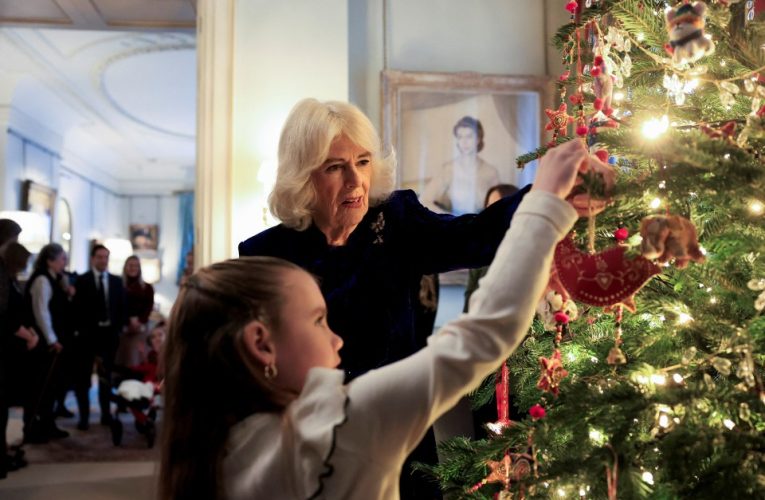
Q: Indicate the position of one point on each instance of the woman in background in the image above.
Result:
(139, 298)
(51, 315)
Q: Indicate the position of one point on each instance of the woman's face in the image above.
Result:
(58, 264)
(132, 268)
(342, 186)
(467, 140)
(157, 338)
(303, 339)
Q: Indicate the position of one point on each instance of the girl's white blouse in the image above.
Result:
(339, 441)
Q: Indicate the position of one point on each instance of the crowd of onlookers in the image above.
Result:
(57, 328)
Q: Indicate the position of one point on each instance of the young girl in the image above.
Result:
(254, 407)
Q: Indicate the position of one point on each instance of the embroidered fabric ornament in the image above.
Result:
(559, 119)
(616, 357)
(670, 237)
(687, 41)
(725, 132)
(602, 86)
(552, 373)
(552, 303)
(604, 278)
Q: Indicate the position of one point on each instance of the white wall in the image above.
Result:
(484, 36)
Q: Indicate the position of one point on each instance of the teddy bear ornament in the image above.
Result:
(687, 41)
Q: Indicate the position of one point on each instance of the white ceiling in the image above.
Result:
(119, 105)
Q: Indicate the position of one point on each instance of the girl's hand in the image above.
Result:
(558, 168)
(558, 174)
(584, 203)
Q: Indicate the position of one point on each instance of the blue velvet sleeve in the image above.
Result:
(436, 243)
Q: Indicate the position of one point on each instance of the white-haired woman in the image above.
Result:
(369, 245)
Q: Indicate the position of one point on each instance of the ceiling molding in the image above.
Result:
(101, 14)
(104, 90)
(24, 14)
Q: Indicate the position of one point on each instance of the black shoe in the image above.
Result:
(56, 433)
(16, 462)
(35, 438)
(61, 411)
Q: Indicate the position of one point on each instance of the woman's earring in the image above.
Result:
(270, 371)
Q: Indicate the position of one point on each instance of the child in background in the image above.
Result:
(255, 407)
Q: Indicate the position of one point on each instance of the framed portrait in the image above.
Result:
(144, 236)
(41, 200)
(458, 134)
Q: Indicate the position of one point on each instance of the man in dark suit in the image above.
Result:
(100, 306)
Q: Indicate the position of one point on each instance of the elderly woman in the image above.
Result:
(369, 246)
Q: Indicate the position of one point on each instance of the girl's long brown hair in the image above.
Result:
(211, 383)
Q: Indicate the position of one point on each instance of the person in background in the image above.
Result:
(100, 306)
(11, 331)
(494, 194)
(139, 303)
(255, 406)
(48, 302)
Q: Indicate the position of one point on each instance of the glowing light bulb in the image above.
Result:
(677, 378)
(663, 420)
(647, 477)
(561, 492)
(640, 37)
(723, 63)
(655, 203)
(655, 127)
(713, 300)
(729, 424)
(618, 96)
(582, 492)
(658, 379)
(596, 436)
(684, 318)
(756, 207)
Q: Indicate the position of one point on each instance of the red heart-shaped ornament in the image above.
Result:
(601, 279)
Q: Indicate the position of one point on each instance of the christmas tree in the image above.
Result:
(649, 382)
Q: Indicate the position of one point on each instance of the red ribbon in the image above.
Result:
(503, 395)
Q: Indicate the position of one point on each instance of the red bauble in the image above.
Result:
(537, 412)
(571, 7)
(602, 279)
(621, 234)
(582, 130)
